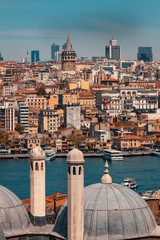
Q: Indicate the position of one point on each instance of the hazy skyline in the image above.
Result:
(28, 25)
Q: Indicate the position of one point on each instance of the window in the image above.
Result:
(36, 166)
(42, 166)
(74, 170)
(80, 170)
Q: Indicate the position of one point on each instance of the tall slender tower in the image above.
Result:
(68, 57)
(75, 161)
(37, 186)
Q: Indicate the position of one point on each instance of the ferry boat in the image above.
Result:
(112, 154)
(130, 182)
(50, 155)
(156, 152)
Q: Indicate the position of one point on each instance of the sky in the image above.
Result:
(36, 24)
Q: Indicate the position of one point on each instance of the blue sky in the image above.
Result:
(36, 24)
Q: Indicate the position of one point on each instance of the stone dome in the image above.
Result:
(14, 218)
(75, 156)
(37, 153)
(111, 211)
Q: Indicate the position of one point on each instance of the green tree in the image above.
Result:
(41, 91)
(20, 128)
(77, 138)
(3, 137)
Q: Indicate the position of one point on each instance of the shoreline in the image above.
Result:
(63, 155)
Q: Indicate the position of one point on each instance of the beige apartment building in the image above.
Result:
(49, 121)
(37, 102)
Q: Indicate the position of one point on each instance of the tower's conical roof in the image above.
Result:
(68, 45)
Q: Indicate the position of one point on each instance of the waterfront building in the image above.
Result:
(68, 57)
(113, 51)
(54, 49)
(49, 120)
(145, 54)
(72, 116)
(35, 56)
(24, 115)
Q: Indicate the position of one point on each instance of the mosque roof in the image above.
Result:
(111, 211)
(14, 218)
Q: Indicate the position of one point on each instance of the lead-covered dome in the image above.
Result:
(14, 218)
(111, 211)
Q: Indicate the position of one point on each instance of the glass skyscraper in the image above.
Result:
(113, 51)
(34, 56)
(54, 49)
(145, 54)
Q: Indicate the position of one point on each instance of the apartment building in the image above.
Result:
(49, 121)
(138, 100)
(37, 102)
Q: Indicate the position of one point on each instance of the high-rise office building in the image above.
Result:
(54, 49)
(34, 56)
(113, 51)
(145, 54)
(1, 58)
(64, 46)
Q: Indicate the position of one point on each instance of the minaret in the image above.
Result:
(37, 186)
(75, 161)
(68, 57)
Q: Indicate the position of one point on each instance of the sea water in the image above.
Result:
(145, 169)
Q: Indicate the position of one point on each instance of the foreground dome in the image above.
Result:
(111, 211)
(14, 218)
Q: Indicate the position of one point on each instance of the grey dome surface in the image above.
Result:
(13, 215)
(111, 211)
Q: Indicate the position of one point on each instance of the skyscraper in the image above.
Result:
(34, 56)
(145, 54)
(113, 51)
(54, 49)
(1, 58)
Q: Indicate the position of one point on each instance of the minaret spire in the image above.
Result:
(106, 177)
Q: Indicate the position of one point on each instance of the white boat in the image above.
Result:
(50, 154)
(130, 182)
(112, 154)
(156, 152)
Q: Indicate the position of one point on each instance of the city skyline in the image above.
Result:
(37, 25)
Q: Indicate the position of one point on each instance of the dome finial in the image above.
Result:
(106, 177)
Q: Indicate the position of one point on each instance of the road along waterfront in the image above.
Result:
(145, 169)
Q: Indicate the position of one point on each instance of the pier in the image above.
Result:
(85, 154)
(14, 156)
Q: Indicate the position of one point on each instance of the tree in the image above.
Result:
(41, 91)
(3, 137)
(20, 128)
(77, 138)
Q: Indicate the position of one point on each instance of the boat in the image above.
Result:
(112, 154)
(130, 182)
(156, 152)
(50, 154)
(147, 194)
